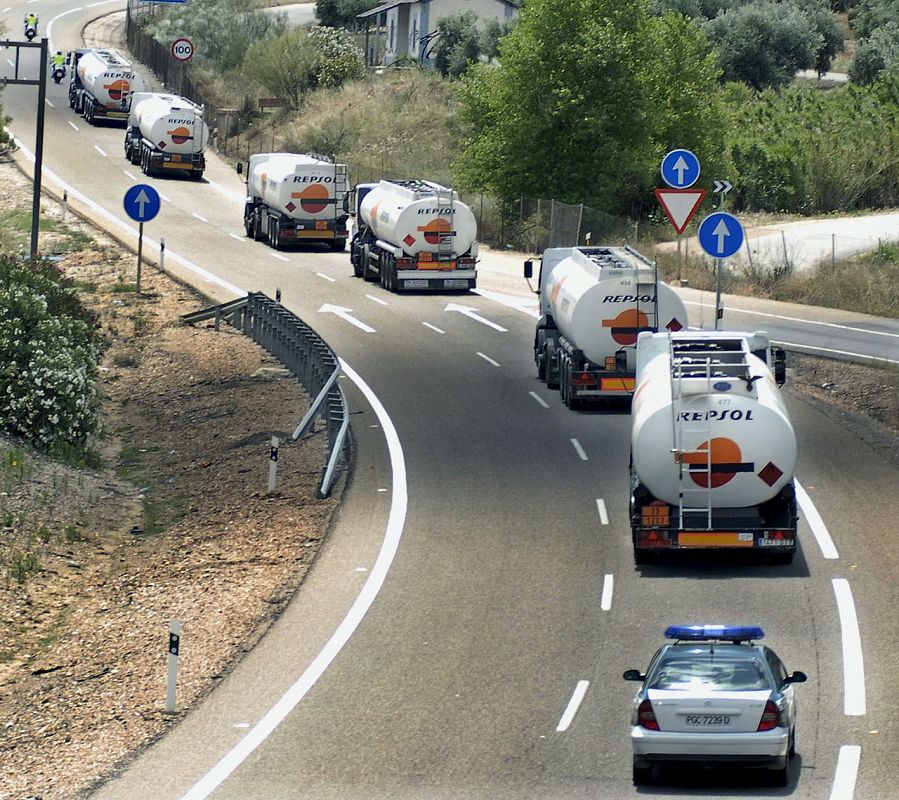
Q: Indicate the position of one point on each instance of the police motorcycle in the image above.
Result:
(30, 28)
(58, 67)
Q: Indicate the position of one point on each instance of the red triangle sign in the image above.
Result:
(680, 205)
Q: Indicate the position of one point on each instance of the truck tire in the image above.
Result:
(88, 110)
(338, 245)
(71, 99)
(248, 226)
(552, 381)
(356, 259)
(196, 174)
(368, 274)
(259, 233)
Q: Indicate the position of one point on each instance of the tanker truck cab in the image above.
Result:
(594, 301)
(75, 82)
(413, 234)
(713, 451)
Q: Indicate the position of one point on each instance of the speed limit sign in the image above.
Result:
(183, 49)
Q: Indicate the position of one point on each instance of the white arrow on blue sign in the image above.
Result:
(142, 202)
(720, 234)
(680, 169)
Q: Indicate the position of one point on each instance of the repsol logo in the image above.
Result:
(313, 179)
(629, 298)
(180, 121)
(441, 211)
(113, 74)
(735, 414)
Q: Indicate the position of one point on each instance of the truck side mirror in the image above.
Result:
(780, 366)
(239, 168)
(529, 269)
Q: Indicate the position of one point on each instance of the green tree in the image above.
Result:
(458, 43)
(491, 33)
(764, 44)
(342, 13)
(577, 111)
(875, 53)
(221, 30)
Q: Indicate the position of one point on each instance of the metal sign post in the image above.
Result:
(142, 204)
(720, 235)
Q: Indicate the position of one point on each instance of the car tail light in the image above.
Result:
(646, 717)
(770, 717)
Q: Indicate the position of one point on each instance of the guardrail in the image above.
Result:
(304, 353)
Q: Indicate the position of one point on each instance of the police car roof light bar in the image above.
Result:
(706, 633)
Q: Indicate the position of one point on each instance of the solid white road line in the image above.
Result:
(326, 277)
(432, 327)
(489, 360)
(853, 664)
(100, 150)
(278, 255)
(235, 236)
(195, 215)
(395, 521)
(607, 586)
(847, 772)
(377, 299)
(539, 399)
(72, 124)
(813, 518)
(579, 691)
(129, 174)
(601, 507)
(579, 450)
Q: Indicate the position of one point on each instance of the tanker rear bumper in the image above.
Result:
(436, 280)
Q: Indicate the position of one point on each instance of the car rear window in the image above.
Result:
(716, 673)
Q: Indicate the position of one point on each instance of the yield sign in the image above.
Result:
(680, 205)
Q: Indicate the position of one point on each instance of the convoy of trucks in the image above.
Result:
(594, 301)
(166, 133)
(102, 84)
(712, 447)
(413, 234)
(293, 198)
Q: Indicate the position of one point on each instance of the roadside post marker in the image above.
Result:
(174, 651)
(161, 255)
(273, 466)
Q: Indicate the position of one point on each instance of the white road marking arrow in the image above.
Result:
(721, 232)
(346, 314)
(470, 312)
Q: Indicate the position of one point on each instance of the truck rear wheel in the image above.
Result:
(368, 274)
(338, 245)
(196, 174)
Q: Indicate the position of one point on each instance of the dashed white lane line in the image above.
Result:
(579, 450)
(195, 215)
(854, 703)
(489, 360)
(813, 518)
(239, 238)
(129, 174)
(10, 62)
(601, 508)
(377, 300)
(72, 124)
(100, 150)
(49, 103)
(847, 772)
(278, 255)
(326, 277)
(395, 522)
(433, 327)
(5, 9)
(539, 399)
(167, 199)
(576, 699)
(608, 585)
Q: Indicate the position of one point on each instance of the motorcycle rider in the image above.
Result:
(58, 60)
(31, 21)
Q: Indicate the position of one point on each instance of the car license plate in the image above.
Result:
(707, 719)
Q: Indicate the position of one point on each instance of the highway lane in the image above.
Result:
(496, 592)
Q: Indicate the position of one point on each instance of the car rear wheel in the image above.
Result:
(642, 775)
(791, 753)
(781, 776)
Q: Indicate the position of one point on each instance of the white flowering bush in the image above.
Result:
(48, 358)
(340, 60)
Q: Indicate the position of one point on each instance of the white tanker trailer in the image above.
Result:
(594, 301)
(166, 133)
(414, 234)
(102, 84)
(712, 448)
(293, 198)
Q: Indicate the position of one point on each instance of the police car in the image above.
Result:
(714, 697)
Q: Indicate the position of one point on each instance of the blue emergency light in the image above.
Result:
(706, 633)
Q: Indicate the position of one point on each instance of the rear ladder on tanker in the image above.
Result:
(445, 241)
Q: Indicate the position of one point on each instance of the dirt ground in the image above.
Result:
(177, 524)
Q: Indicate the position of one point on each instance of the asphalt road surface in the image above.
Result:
(480, 571)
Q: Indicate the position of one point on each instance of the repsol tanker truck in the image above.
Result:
(712, 447)
(102, 84)
(166, 133)
(414, 234)
(594, 301)
(294, 198)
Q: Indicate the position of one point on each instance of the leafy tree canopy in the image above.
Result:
(577, 111)
(342, 13)
(458, 43)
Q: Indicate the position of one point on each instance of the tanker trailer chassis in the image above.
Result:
(658, 527)
(376, 260)
(562, 365)
(140, 151)
(264, 223)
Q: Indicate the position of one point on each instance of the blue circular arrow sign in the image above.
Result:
(680, 169)
(720, 234)
(142, 202)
